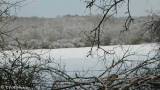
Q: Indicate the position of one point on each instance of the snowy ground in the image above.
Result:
(75, 60)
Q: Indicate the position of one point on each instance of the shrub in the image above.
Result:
(136, 40)
(106, 40)
(45, 44)
(33, 44)
(78, 42)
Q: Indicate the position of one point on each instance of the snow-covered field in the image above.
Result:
(75, 60)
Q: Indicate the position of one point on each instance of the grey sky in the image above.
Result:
(53, 8)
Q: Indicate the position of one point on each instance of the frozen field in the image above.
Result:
(75, 60)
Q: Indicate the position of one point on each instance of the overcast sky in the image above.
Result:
(53, 8)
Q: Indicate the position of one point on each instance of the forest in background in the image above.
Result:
(71, 31)
(27, 68)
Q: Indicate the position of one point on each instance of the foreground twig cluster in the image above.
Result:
(26, 69)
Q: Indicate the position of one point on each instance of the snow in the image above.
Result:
(75, 60)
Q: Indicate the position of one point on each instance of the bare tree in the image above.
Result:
(16, 67)
(19, 67)
(118, 75)
(109, 8)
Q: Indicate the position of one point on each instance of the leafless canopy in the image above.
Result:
(142, 76)
(18, 71)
